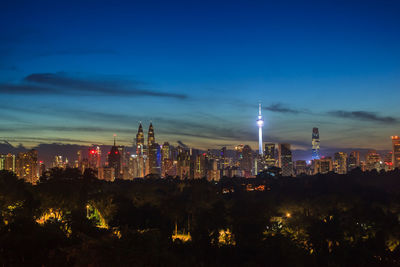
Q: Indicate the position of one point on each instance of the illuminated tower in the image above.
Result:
(150, 136)
(139, 140)
(260, 124)
(315, 144)
(153, 152)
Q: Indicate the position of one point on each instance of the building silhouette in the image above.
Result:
(285, 159)
(114, 160)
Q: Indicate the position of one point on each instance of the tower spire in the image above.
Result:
(260, 124)
(114, 138)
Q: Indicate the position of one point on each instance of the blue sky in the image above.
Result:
(77, 73)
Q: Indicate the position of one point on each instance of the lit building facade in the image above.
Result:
(323, 165)
(373, 161)
(315, 142)
(153, 153)
(27, 166)
(354, 160)
(260, 124)
(340, 163)
(269, 155)
(396, 151)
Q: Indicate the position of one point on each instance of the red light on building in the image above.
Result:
(116, 152)
(93, 151)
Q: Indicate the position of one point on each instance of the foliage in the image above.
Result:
(71, 218)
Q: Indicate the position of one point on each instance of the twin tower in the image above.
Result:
(150, 152)
(140, 149)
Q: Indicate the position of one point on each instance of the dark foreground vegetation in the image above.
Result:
(70, 219)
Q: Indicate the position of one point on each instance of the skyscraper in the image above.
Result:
(166, 160)
(396, 151)
(94, 157)
(373, 161)
(150, 136)
(260, 124)
(27, 166)
(114, 160)
(323, 165)
(301, 167)
(246, 163)
(270, 154)
(354, 160)
(7, 162)
(140, 140)
(340, 162)
(153, 152)
(285, 159)
(315, 144)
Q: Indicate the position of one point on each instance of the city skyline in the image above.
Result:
(197, 71)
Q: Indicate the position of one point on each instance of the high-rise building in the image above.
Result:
(260, 124)
(94, 157)
(150, 135)
(114, 160)
(166, 159)
(340, 162)
(140, 157)
(323, 165)
(106, 173)
(238, 154)
(140, 141)
(373, 161)
(153, 152)
(270, 154)
(315, 144)
(285, 159)
(396, 151)
(354, 160)
(301, 167)
(183, 164)
(42, 168)
(27, 166)
(58, 162)
(246, 163)
(388, 164)
(9, 162)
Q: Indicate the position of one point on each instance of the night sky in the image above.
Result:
(77, 73)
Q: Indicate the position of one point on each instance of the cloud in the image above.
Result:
(60, 83)
(278, 107)
(80, 52)
(362, 115)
